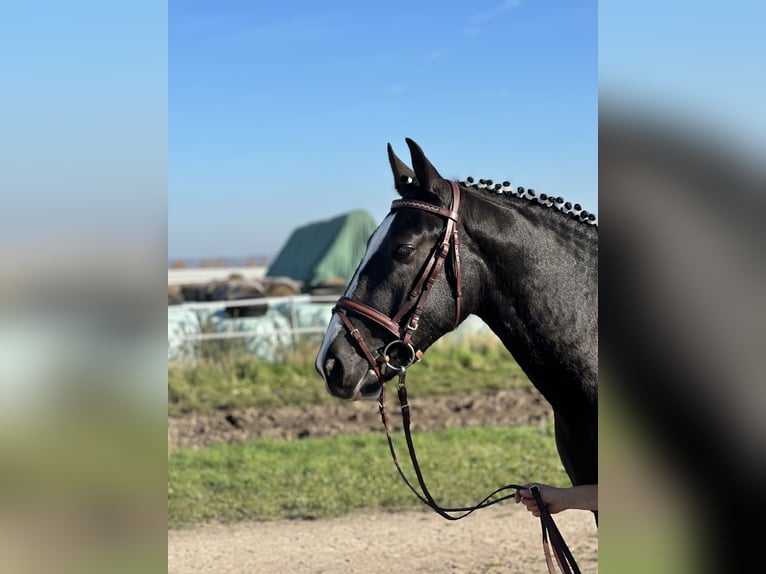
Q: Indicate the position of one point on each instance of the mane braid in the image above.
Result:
(558, 203)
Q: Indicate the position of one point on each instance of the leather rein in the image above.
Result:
(414, 305)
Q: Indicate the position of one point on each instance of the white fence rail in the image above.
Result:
(207, 274)
(292, 301)
(286, 319)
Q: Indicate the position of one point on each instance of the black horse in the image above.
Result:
(526, 264)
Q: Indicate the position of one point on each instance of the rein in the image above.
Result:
(551, 536)
(414, 305)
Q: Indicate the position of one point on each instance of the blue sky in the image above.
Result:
(279, 112)
(697, 62)
(83, 150)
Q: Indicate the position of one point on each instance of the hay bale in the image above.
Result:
(282, 287)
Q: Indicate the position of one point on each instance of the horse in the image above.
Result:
(526, 264)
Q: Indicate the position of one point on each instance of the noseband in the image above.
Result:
(416, 300)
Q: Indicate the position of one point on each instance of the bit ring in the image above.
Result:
(387, 358)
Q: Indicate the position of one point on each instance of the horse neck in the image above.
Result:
(538, 292)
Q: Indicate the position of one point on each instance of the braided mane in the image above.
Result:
(574, 211)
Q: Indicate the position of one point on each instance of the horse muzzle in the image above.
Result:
(358, 383)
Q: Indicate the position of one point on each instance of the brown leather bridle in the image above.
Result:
(418, 295)
(414, 305)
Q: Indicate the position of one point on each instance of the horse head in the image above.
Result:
(405, 293)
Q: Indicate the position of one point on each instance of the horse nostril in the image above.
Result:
(333, 370)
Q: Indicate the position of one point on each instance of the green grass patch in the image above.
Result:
(318, 477)
(241, 381)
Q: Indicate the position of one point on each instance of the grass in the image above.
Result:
(240, 381)
(269, 479)
(312, 478)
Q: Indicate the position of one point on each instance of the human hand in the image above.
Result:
(554, 498)
(584, 496)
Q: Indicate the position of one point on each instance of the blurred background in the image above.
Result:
(83, 249)
(144, 140)
(681, 190)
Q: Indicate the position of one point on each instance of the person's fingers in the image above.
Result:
(522, 493)
(525, 496)
(534, 510)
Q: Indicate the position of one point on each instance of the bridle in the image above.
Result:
(418, 295)
(413, 306)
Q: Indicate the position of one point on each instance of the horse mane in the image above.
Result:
(554, 203)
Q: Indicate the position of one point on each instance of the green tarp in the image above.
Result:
(325, 251)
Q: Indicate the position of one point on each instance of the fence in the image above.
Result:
(283, 323)
(208, 274)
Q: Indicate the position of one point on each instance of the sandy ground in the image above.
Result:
(503, 539)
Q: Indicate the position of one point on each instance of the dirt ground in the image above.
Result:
(504, 407)
(502, 539)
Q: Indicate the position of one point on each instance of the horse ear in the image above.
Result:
(429, 178)
(404, 177)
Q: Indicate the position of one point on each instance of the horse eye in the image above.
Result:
(404, 251)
